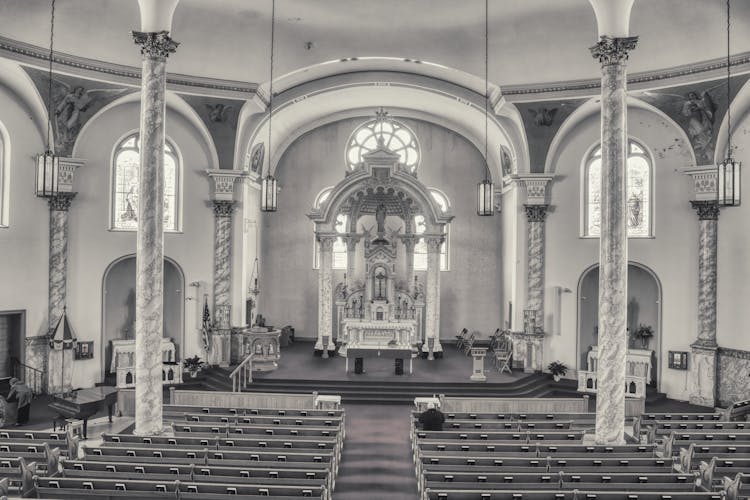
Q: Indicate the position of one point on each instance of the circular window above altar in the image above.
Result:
(396, 136)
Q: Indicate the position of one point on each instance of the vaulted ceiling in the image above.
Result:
(531, 41)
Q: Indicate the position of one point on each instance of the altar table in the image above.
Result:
(380, 352)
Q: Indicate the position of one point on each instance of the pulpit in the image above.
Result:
(123, 363)
(260, 341)
(638, 372)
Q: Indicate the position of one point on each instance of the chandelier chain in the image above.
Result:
(729, 90)
(486, 87)
(49, 86)
(270, 84)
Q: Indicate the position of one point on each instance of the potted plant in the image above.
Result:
(193, 365)
(644, 334)
(557, 369)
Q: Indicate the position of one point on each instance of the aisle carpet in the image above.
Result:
(376, 462)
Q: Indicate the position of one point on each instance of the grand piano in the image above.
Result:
(82, 404)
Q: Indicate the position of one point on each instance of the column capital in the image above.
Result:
(409, 241)
(705, 182)
(223, 208)
(351, 240)
(223, 182)
(434, 241)
(156, 44)
(326, 240)
(536, 213)
(536, 187)
(60, 202)
(707, 210)
(613, 50)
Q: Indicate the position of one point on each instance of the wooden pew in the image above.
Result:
(682, 416)
(170, 409)
(484, 435)
(578, 417)
(664, 427)
(737, 487)
(538, 449)
(265, 420)
(510, 425)
(75, 488)
(257, 430)
(219, 443)
(441, 494)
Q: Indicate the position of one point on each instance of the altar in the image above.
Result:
(123, 363)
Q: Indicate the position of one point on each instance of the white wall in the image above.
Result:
(671, 254)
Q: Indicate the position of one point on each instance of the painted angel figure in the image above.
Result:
(700, 112)
(72, 102)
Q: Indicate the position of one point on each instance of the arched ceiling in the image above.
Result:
(531, 41)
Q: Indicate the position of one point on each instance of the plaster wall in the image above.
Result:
(471, 290)
(671, 253)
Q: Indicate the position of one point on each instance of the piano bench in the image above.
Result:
(75, 425)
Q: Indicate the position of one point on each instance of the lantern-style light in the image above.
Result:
(268, 194)
(729, 179)
(486, 189)
(47, 174)
(254, 279)
(485, 202)
(48, 163)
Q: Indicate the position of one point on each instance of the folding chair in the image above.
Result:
(468, 343)
(461, 338)
(502, 360)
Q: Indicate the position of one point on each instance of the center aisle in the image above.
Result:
(377, 459)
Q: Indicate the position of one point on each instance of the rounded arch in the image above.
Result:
(592, 107)
(648, 286)
(5, 146)
(176, 104)
(118, 304)
(740, 106)
(317, 103)
(19, 82)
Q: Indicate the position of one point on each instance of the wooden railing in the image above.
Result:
(243, 374)
(33, 377)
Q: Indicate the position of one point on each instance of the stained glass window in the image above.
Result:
(395, 136)
(638, 192)
(127, 161)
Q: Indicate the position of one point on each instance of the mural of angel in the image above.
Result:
(543, 117)
(70, 104)
(217, 113)
(700, 112)
(256, 159)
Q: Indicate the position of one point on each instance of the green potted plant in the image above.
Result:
(557, 369)
(644, 333)
(193, 365)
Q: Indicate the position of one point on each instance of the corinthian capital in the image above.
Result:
(223, 208)
(536, 213)
(60, 202)
(707, 210)
(610, 50)
(155, 44)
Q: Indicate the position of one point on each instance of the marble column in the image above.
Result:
(703, 368)
(220, 340)
(432, 297)
(409, 242)
(155, 47)
(612, 53)
(535, 215)
(351, 241)
(59, 376)
(324, 342)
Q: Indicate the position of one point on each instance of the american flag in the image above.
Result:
(206, 326)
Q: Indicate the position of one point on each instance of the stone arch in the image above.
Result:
(644, 282)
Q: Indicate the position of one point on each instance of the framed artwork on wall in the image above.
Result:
(85, 350)
(678, 360)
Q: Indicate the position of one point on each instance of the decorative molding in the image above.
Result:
(536, 213)
(66, 172)
(157, 44)
(60, 202)
(536, 187)
(734, 353)
(613, 50)
(705, 182)
(705, 347)
(223, 208)
(223, 183)
(707, 210)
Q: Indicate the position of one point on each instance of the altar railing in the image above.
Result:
(638, 372)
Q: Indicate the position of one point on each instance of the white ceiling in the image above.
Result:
(531, 41)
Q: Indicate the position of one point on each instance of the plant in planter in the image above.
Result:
(193, 365)
(557, 369)
(643, 334)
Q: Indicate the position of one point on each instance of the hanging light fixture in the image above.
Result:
(254, 290)
(729, 169)
(486, 189)
(268, 202)
(48, 163)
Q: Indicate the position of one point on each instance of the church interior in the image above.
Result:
(280, 233)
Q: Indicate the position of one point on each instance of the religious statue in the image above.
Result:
(380, 214)
(260, 320)
(256, 161)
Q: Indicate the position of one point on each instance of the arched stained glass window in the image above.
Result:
(639, 192)
(396, 137)
(127, 159)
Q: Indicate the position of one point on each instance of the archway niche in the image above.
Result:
(118, 305)
(644, 308)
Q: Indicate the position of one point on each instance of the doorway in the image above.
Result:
(12, 335)
(644, 308)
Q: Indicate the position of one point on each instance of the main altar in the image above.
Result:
(381, 301)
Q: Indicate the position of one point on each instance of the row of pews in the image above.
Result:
(207, 453)
(491, 455)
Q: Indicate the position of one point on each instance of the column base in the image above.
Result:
(703, 374)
